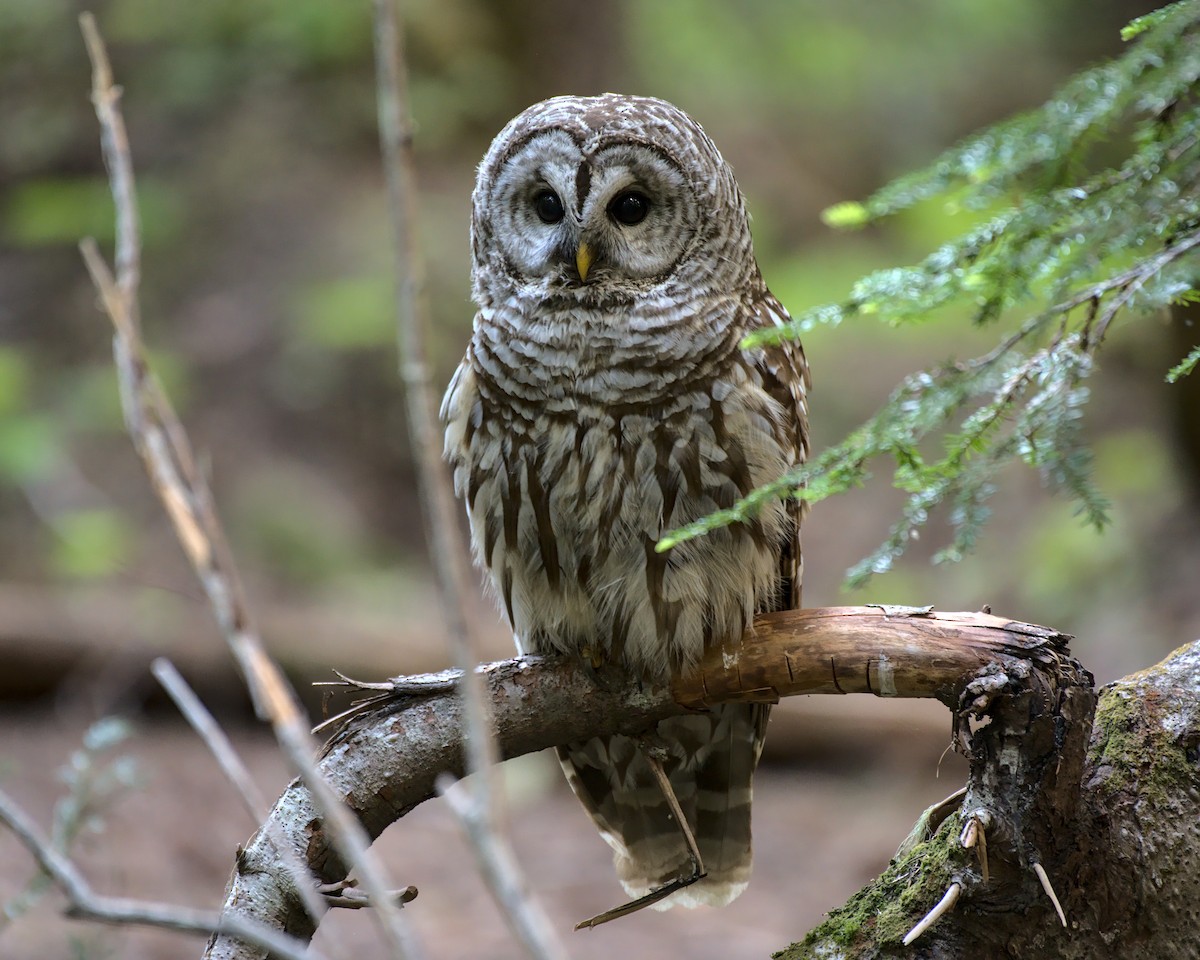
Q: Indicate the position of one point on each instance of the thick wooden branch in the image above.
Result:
(881, 650)
(388, 755)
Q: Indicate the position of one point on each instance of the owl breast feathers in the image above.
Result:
(604, 400)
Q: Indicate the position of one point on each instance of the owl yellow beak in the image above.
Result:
(583, 260)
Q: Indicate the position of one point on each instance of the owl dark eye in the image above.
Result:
(629, 208)
(547, 206)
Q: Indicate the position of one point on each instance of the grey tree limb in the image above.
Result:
(170, 462)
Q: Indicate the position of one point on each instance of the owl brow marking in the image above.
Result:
(583, 184)
(521, 142)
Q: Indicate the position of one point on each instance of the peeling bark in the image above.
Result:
(1017, 677)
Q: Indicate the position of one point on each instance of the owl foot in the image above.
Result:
(633, 906)
(599, 667)
(654, 752)
(594, 657)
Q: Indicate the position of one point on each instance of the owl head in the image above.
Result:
(596, 199)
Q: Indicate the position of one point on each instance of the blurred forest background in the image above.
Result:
(267, 299)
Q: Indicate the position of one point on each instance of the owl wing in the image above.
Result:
(784, 370)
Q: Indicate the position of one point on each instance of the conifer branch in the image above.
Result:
(1064, 256)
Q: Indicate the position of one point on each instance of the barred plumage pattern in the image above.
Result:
(598, 408)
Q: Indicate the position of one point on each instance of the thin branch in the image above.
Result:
(1135, 277)
(84, 904)
(115, 145)
(654, 753)
(504, 878)
(162, 443)
(184, 493)
(440, 512)
(390, 752)
(1135, 284)
(345, 893)
(219, 745)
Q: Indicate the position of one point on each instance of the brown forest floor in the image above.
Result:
(833, 801)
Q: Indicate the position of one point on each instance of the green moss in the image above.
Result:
(888, 907)
(1131, 740)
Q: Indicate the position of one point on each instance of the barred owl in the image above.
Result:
(603, 401)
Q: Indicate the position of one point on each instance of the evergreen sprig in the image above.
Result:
(1076, 244)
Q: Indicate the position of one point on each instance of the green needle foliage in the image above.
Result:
(1099, 220)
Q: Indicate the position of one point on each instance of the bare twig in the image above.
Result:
(664, 785)
(115, 143)
(653, 753)
(503, 876)
(944, 906)
(345, 893)
(640, 903)
(235, 771)
(439, 510)
(214, 738)
(169, 461)
(495, 857)
(160, 440)
(87, 905)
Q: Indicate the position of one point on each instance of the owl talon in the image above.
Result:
(600, 674)
(594, 656)
(633, 906)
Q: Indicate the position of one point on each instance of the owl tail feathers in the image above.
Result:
(711, 764)
(720, 820)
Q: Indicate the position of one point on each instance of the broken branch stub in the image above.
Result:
(1023, 721)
